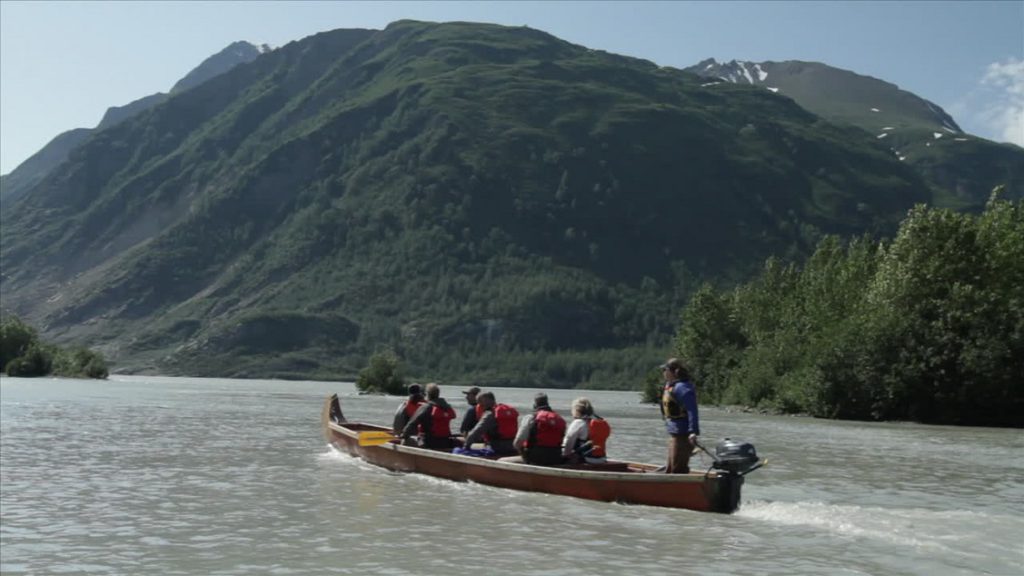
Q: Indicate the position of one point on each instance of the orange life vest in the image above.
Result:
(547, 429)
(598, 432)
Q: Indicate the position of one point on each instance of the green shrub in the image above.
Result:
(16, 338)
(37, 361)
(80, 363)
(383, 375)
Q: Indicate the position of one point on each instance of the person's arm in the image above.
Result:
(486, 423)
(523, 433)
(689, 402)
(410, 427)
(572, 434)
(398, 423)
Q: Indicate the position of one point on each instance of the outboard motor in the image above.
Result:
(736, 456)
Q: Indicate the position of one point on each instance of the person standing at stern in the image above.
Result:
(679, 409)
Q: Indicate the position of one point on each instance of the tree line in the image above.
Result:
(926, 327)
(23, 354)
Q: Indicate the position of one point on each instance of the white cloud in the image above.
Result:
(1005, 112)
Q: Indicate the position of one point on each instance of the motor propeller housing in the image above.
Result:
(735, 456)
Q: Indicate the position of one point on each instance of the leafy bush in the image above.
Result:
(16, 338)
(652, 387)
(383, 375)
(36, 361)
(80, 363)
(23, 355)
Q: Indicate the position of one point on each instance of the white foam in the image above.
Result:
(884, 524)
(882, 135)
(773, 89)
(937, 135)
(888, 128)
(948, 129)
(875, 110)
(960, 139)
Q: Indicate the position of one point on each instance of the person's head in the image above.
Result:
(540, 400)
(581, 408)
(673, 369)
(433, 391)
(471, 395)
(486, 400)
(415, 392)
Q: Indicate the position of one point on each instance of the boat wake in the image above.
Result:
(897, 526)
(919, 528)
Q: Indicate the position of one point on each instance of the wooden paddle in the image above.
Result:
(375, 437)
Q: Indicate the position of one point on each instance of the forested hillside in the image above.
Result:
(491, 203)
(928, 327)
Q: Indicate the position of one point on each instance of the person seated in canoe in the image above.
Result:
(469, 418)
(539, 440)
(407, 408)
(587, 436)
(431, 421)
(496, 425)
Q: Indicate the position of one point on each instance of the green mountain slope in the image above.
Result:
(490, 202)
(35, 168)
(960, 168)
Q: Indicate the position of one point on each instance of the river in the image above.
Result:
(153, 475)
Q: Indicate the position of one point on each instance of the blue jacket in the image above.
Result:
(686, 396)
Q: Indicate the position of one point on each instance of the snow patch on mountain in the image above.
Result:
(761, 74)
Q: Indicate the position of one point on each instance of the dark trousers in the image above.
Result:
(438, 442)
(543, 455)
(679, 451)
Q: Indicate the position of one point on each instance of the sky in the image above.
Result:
(62, 64)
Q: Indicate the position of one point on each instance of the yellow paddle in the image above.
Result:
(375, 437)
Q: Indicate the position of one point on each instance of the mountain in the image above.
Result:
(234, 54)
(489, 202)
(961, 169)
(36, 167)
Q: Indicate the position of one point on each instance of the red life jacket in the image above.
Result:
(598, 432)
(508, 422)
(440, 420)
(548, 428)
(411, 407)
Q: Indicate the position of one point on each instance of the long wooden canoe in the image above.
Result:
(615, 481)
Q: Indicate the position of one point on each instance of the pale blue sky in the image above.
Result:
(63, 63)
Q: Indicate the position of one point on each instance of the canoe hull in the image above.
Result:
(624, 482)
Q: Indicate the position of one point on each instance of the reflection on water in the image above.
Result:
(190, 476)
